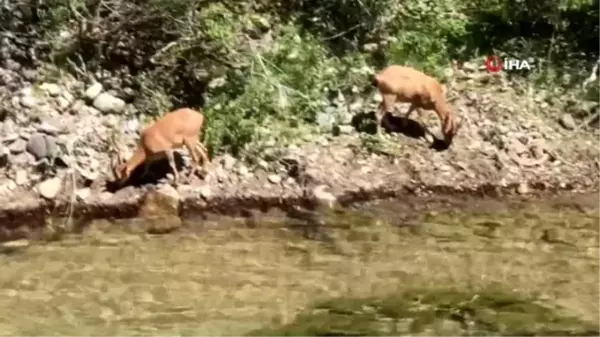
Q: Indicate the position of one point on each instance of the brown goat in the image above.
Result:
(405, 84)
(174, 130)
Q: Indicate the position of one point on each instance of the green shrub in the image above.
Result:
(281, 90)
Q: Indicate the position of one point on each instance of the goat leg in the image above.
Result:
(171, 159)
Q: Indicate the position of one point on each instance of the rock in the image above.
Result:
(93, 91)
(51, 88)
(51, 147)
(377, 98)
(50, 188)
(523, 188)
(21, 177)
(68, 96)
(346, 129)
(220, 174)
(567, 121)
(263, 164)
(28, 101)
(163, 200)
(354, 107)
(10, 137)
(261, 22)
(107, 103)
(228, 162)
(428, 138)
(21, 159)
(132, 126)
(15, 102)
(160, 209)
(18, 146)
(10, 64)
(38, 146)
(83, 193)
(370, 47)
(290, 182)
(77, 107)
(243, 171)
(7, 187)
(89, 175)
(323, 197)
(205, 192)
(326, 120)
(274, 179)
(50, 126)
(29, 74)
(24, 134)
(106, 196)
(217, 82)
(468, 66)
(62, 103)
(93, 163)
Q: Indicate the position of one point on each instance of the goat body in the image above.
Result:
(176, 129)
(407, 85)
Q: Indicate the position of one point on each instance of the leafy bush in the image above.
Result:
(283, 87)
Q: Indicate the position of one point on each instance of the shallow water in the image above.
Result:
(226, 280)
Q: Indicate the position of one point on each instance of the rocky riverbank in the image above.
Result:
(56, 141)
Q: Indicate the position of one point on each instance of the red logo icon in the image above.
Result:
(494, 64)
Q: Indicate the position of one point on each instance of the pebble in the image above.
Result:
(83, 193)
(50, 188)
(523, 188)
(567, 121)
(107, 103)
(205, 192)
(93, 91)
(28, 101)
(274, 179)
(21, 177)
(51, 88)
(18, 146)
(323, 197)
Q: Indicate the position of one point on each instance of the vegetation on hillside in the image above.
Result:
(264, 69)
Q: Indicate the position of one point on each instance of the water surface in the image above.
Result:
(226, 280)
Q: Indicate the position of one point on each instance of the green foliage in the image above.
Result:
(263, 69)
(283, 86)
(429, 32)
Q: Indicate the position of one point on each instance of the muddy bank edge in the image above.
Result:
(29, 213)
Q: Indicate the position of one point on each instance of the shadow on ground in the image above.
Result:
(365, 122)
(157, 171)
